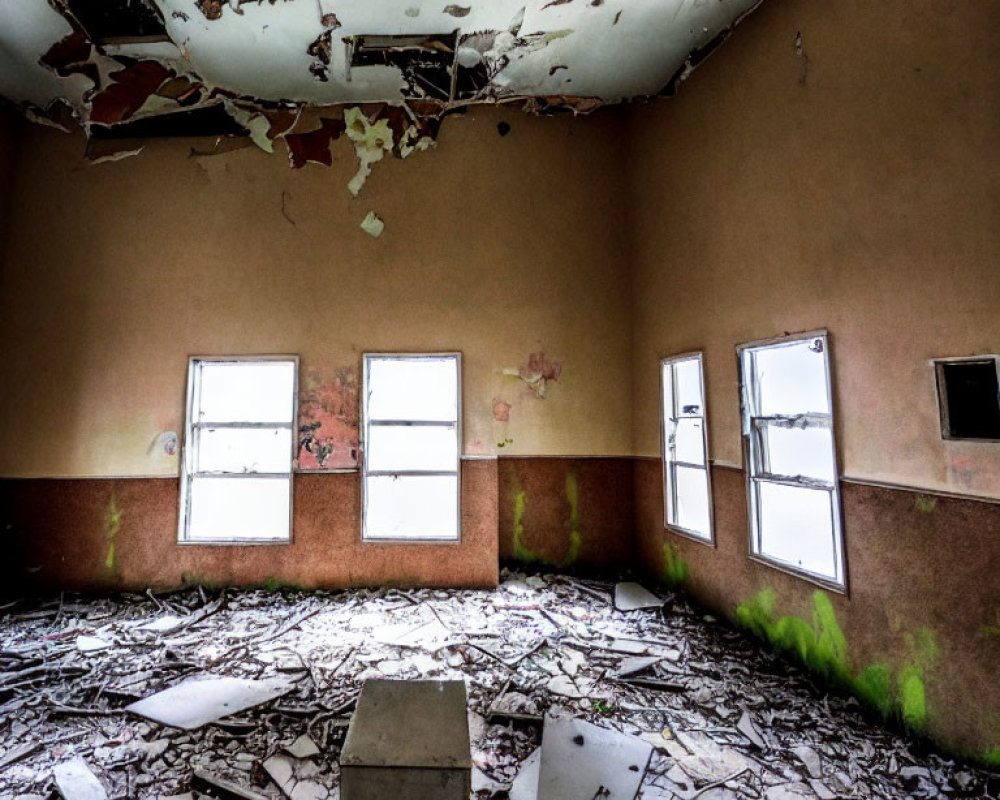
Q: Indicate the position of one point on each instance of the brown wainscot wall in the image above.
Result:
(566, 512)
(920, 623)
(93, 534)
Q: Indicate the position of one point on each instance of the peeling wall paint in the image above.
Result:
(537, 373)
(328, 420)
(431, 60)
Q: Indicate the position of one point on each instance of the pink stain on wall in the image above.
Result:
(501, 410)
(328, 420)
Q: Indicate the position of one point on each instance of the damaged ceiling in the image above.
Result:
(269, 68)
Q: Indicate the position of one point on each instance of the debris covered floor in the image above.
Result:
(725, 718)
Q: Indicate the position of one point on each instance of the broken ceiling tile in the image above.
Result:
(810, 758)
(75, 781)
(303, 747)
(525, 786)
(789, 791)
(632, 666)
(199, 701)
(710, 762)
(747, 727)
(373, 224)
(220, 787)
(580, 760)
(91, 644)
(630, 596)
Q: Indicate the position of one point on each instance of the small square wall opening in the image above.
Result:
(969, 398)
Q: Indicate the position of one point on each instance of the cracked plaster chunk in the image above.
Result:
(75, 781)
(371, 141)
(373, 225)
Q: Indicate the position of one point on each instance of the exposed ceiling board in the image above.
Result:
(279, 54)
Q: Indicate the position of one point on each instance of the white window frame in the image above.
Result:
(189, 454)
(368, 423)
(668, 425)
(756, 458)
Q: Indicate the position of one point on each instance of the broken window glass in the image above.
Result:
(411, 447)
(788, 429)
(686, 482)
(236, 480)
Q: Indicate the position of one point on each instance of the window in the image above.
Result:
(236, 481)
(411, 445)
(788, 433)
(686, 485)
(969, 397)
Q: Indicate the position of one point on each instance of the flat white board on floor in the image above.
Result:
(199, 701)
(75, 781)
(630, 596)
(579, 758)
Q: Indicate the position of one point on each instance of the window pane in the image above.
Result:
(792, 378)
(399, 447)
(247, 392)
(413, 388)
(239, 508)
(692, 499)
(244, 450)
(800, 451)
(411, 507)
(689, 400)
(796, 526)
(689, 441)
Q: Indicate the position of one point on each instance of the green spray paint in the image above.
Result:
(522, 553)
(675, 570)
(112, 524)
(822, 647)
(573, 523)
(925, 504)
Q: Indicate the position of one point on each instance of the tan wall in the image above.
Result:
(10, 137)
(852, 187)
(119, 271)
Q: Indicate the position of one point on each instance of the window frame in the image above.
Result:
(189, 449)
(364, 438)
(941, 393)
(752, 444)
(668, 465)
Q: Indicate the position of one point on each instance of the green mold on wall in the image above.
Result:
(822, 647)
(573, 523)
(522, 553)
(675, 570)
(925, 504)
(112, 524)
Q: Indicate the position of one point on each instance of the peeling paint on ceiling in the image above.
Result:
(269, 68)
